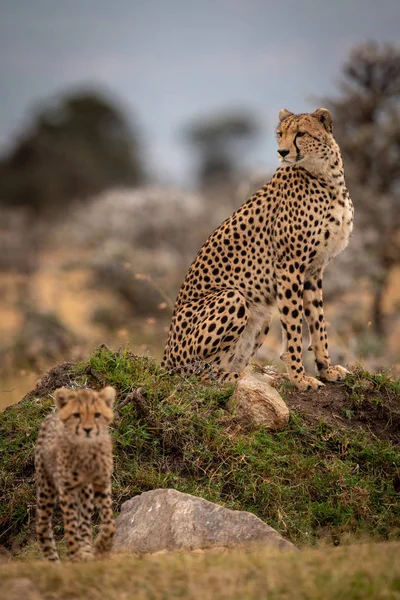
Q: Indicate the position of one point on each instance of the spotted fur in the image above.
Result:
(273, 249)
(73, 459)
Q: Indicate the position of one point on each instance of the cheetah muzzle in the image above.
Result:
(272, 250)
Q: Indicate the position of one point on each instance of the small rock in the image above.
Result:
(162, 520)
(255, 402)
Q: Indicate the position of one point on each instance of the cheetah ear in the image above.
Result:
(284, 114)
(108, 395)
(325, 117)
(62, 397)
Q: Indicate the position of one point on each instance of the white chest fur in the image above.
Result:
(337, 229)
(341, 227)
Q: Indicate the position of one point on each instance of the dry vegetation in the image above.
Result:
(362, 572)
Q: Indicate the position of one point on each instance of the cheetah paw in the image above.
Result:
(308, 383)
(334, 373)
(54, 559)
(103, 547)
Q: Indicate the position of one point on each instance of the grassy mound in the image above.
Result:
(367, 572)
(327, 475)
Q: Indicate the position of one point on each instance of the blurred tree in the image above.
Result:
(367, 127)
(220, 141)
(72, 149)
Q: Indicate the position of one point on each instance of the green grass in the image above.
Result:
(361, 381)
(308, 481)
(362, 572)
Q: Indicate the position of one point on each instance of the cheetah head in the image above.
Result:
(85, 414)
(306, 139)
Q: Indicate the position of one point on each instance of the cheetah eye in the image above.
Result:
(76, 415)
(301, 133)
(97, 415)
(279, 134)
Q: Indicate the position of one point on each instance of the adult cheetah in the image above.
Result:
(273, 249)
(73, 458)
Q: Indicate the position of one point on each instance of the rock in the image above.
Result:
(170, 520)
(255, 402)
(18, 588)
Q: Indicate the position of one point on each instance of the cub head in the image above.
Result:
(85, 414)
(305, 139)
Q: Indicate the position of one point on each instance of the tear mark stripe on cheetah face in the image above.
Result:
(273, 249)
(73, 459)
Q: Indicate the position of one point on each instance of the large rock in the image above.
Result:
(255, 402)
(169, 520)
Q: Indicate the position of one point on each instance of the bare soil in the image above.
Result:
(375, 411)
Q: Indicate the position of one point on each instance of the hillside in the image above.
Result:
(334, 472)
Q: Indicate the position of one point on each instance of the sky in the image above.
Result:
(169, 62)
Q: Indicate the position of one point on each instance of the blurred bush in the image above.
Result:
(42, 340)
(20, 240)
(74, 147)
(138, 243)
(220, 142)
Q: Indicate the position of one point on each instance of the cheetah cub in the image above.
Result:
(272, 250)
(73, 459)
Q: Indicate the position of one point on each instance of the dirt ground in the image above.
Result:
(376, 411)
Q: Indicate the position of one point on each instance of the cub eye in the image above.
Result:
(300, 133)
(97, 415)
(76, 415)
(279, 133)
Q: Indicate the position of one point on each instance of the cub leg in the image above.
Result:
(46, 499)
(69, 499)
(85, 518)
(103, 501)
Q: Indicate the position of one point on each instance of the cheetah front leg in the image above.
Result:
(290, 305)
(69, 507)
(85, 519)
(103, 501)
(314, 313)
(46, 499)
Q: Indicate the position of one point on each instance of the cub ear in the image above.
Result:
(108, 395)
(63, 396)
(284, 114)
(325, 117)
